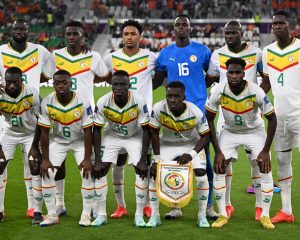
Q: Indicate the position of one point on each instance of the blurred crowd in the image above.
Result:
(46, 19)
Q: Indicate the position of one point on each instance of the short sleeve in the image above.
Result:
(152, 61)
(201, 124)
(264, 103)
(155, 117)
(87, 115)
(47, 64)
(160, 65)
(44, 118)
(108, 62)
(144, 118)
(264, 62)
(213, 100)
(98, 66)
(99, 119)
(259, 60)
(207, 59)
(213, 69)
(36, 103)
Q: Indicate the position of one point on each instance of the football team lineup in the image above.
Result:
(175, 145)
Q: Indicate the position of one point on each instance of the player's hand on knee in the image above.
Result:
(45, 165)
(35, 154)
(142, 168)
(153, 170)
(264, 162)
(86, 166)
(184, 159)
(220, 163)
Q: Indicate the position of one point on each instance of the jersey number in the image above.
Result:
(133, 82)
(24, 77)
(183, 69)
(66, 132)
(16, 121)
(122, 129)
(280, 79)
(74, 84)
(238, 120)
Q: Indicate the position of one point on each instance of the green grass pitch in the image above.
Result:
(242, 225)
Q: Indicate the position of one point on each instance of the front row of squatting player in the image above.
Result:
(127, 124)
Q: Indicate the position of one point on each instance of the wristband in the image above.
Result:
(193, 153)
(156, 158)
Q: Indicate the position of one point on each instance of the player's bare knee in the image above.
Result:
(105, 168)
(2, 167)
(34, 167)
(122, 159)
(61, 172)
(199, 172)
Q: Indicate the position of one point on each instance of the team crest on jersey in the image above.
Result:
(249, 103)
(291, 58)
(248, 61)
(83, 64)
(77, 114)
(193, 58)
(26, 103)
(141, 64)
(186, 125)
(61, 63)
(32, 60)
(132, 114)
(119, 65)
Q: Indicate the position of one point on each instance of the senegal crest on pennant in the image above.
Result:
(174, 183)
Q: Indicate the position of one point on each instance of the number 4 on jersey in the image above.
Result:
(280, 79)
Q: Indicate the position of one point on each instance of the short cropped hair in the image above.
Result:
(176, 84)
(74, 24)
(14, 70)
(132, 23)
(183, 15)
(62, 72)
(238, 61)
(121, 73)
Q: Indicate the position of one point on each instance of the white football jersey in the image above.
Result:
(252, 56)
(184, 128)
(139, 67)
(83, 68)
(122, 122)
(240, 111)
(283, 68)
(33, 61)
(20, 113)
(66, 122)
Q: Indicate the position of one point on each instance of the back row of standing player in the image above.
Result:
(280, 60)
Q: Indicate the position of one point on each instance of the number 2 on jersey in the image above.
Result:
(183, 69)
(74, 83)
(16, 121)
(133, 83)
